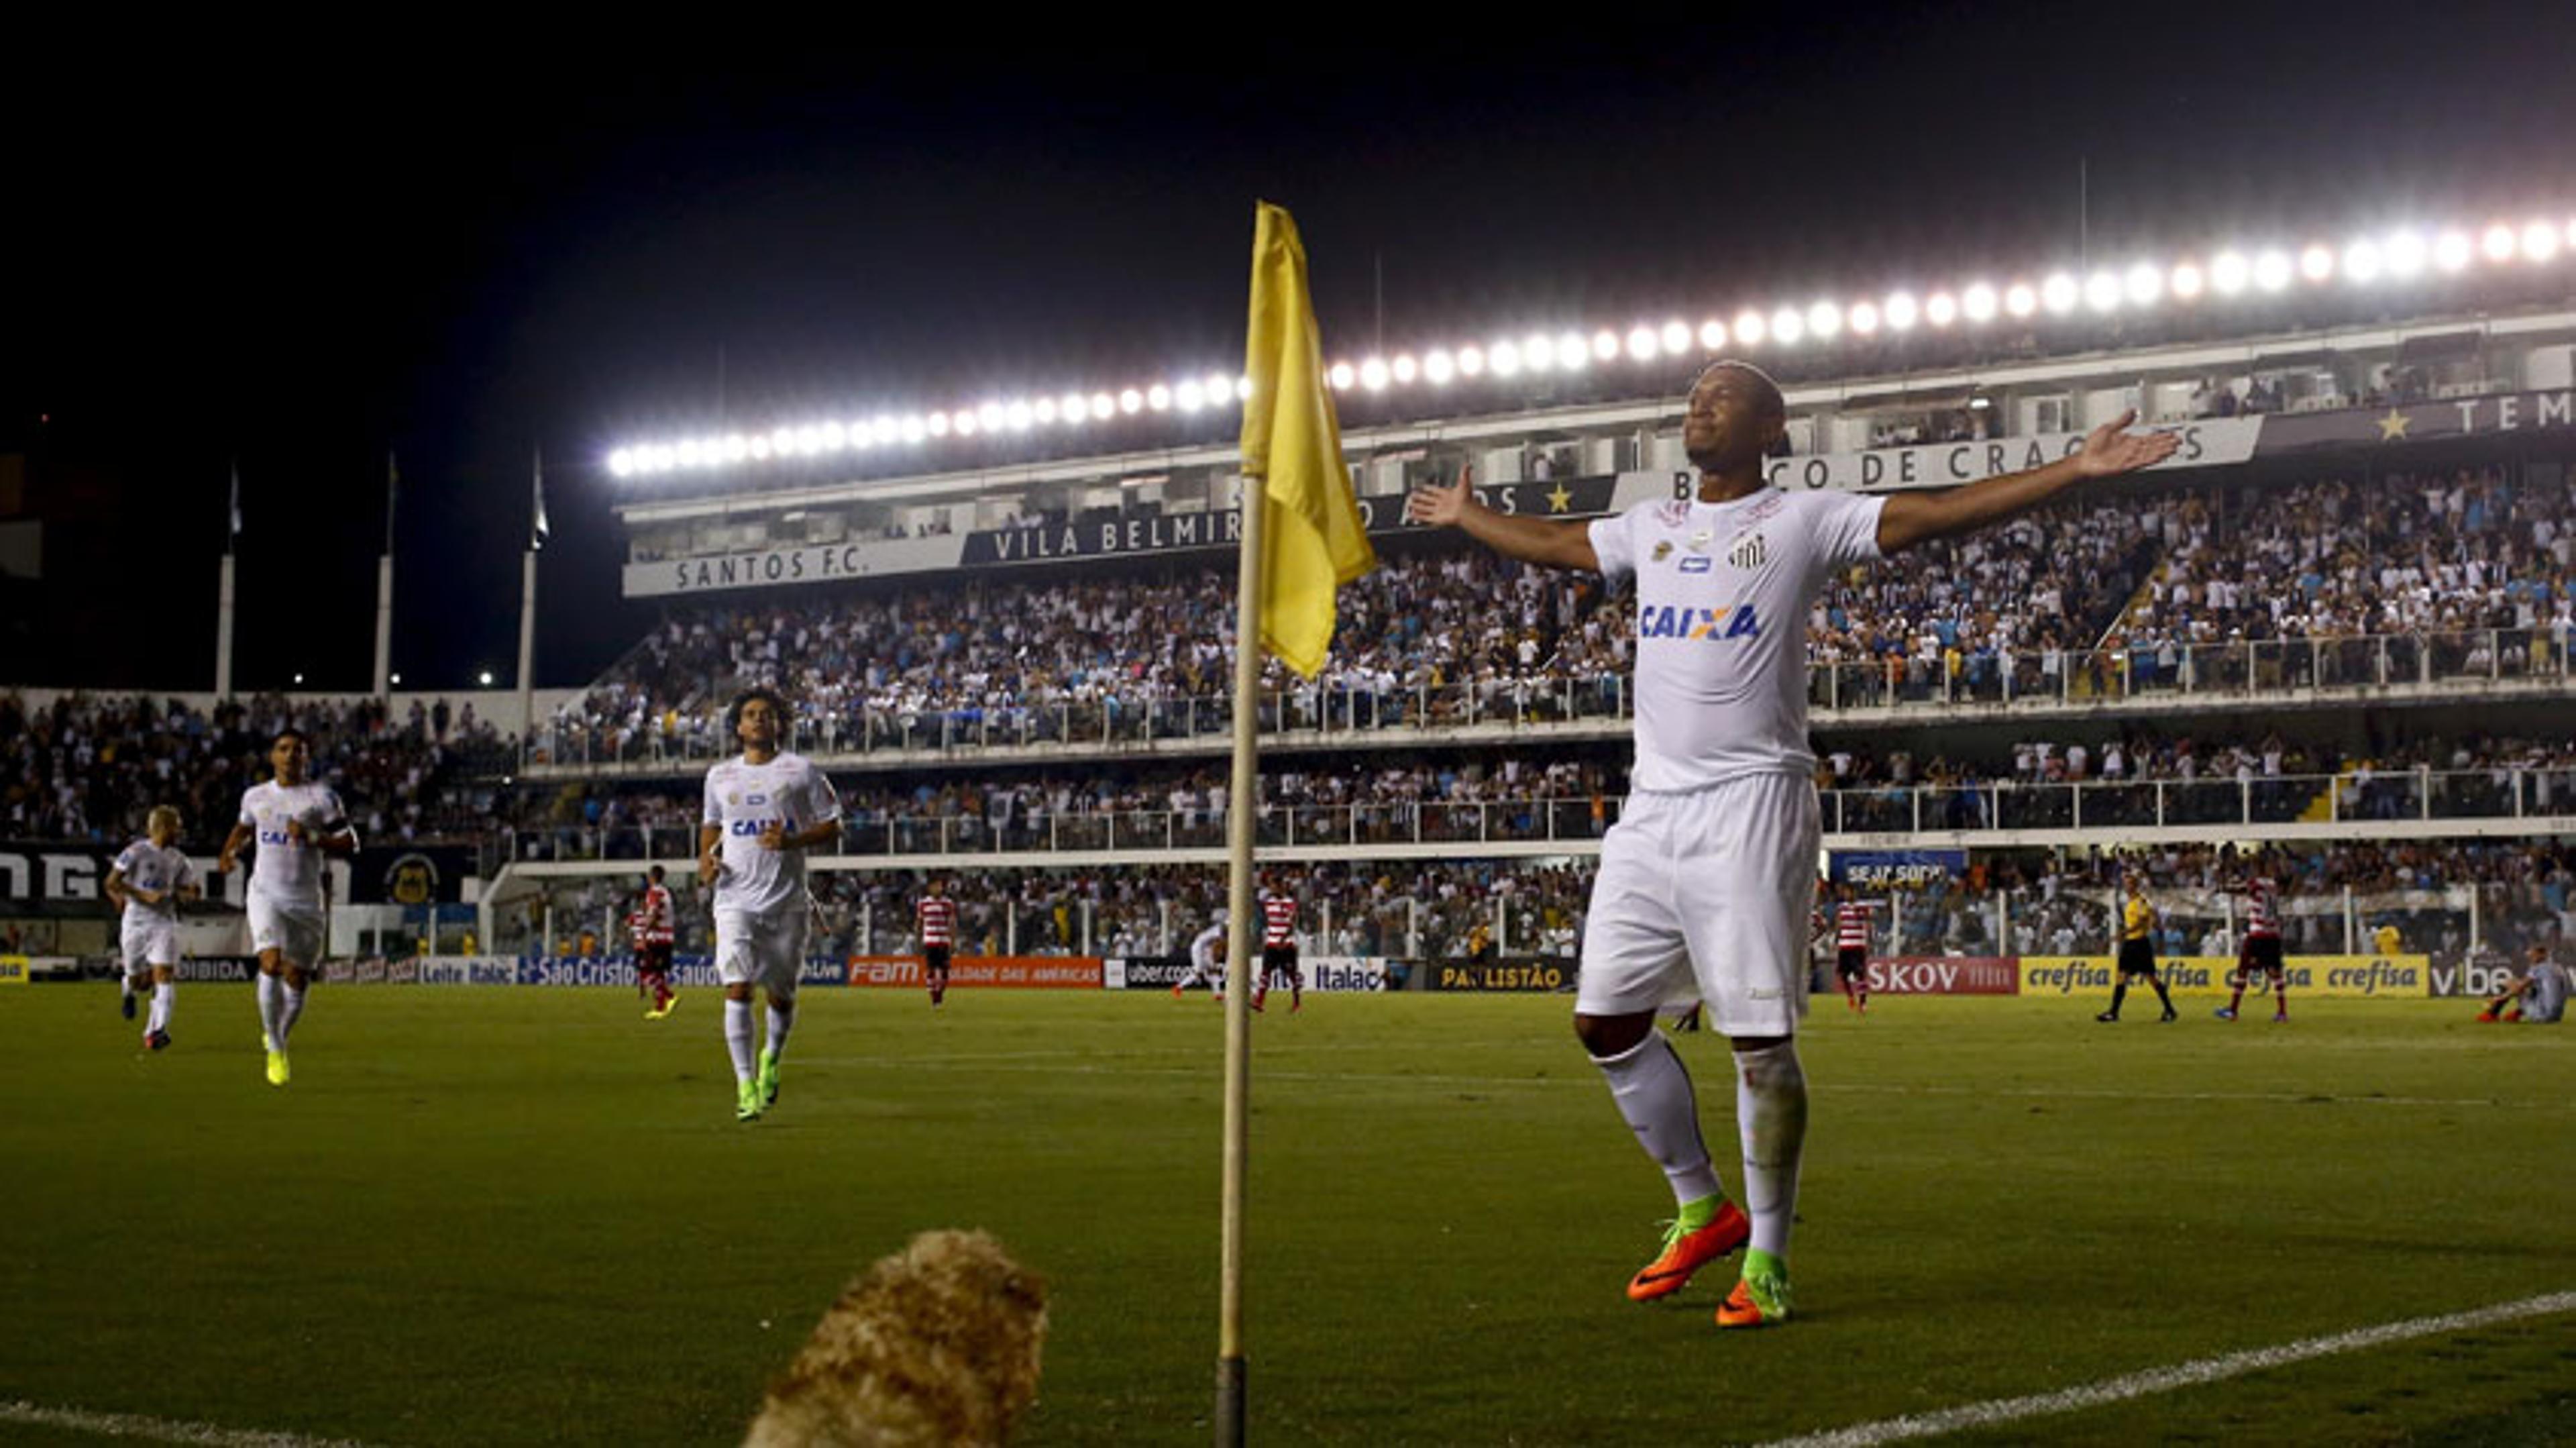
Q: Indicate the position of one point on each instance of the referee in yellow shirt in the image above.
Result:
(2137, 952)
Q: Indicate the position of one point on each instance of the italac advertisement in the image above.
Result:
(984, 972)
(2387, 977)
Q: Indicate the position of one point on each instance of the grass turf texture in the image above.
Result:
(516, 1215)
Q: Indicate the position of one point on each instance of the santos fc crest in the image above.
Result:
(1748, 553)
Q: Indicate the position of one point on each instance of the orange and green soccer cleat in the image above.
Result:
(1760, 1298)
(1688, 1249)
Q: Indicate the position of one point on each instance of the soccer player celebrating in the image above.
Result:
(1207, 961)
(1851, 948)
(1708, 878)
(764, 810)
(291, 822)
(2137, 952)
(1279, 947)
(147, 883)
(656, 929)
(936, 915)
(2261, 952)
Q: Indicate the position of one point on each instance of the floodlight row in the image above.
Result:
(2365, 261)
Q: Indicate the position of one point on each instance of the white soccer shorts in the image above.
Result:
(294, 933)
(1706, 894)
(147, 944)
(763, 950)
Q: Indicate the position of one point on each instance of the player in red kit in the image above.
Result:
(656, 927)
(1279, 947)
(1851, 947)
(2261, 952)
(937, 917)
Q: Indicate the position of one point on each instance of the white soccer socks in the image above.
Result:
(162, 993)
(1654, 1094)
(290, 1008)
(269, 990)
(1771, 1113)
(738, 1037)
(779, 1021)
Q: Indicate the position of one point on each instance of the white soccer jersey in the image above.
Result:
(1723, 591)
(1203, 953)
(287, 871)
(745, 799)
(147, 866)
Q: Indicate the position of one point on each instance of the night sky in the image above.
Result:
(463, 247)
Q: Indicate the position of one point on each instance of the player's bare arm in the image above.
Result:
(116, 889)
(1556, 544)
(232, 849)
(2109, 450)
(335, 838)
(710, 863)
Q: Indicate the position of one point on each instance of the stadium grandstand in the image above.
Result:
(2335, 627)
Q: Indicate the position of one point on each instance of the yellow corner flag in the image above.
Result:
(1312, 538)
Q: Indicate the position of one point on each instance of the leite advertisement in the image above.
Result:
(983, 972)
(2394, 977)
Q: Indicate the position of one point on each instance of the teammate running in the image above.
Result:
(656, 931)
(147, 883)
(2261, 952)
(292, 822)
(937, 917)
(764, 810)
(1708, 878)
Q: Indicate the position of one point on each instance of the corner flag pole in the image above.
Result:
(1241, 802)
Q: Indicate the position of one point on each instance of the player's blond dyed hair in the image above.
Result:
(160, 813)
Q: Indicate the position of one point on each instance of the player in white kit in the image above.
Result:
(292, 822)
(1207, 961)
(1707, 881)
(764, 810)
(147, 883)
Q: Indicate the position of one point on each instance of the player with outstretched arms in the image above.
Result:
(2261, 952)
(764, 810)
(1207, 961)
(1708, 879)
(147, 883)
(936, 915)
(291, 822)
(656, 927)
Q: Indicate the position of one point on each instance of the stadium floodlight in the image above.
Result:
(1243, 389)
(1977, 303)
(2102, 291)
(2539, 241)
(2452, 251)
(1538, 352)
(620, 463)
(760, 446)
(1373, 374)
(1864, 318)
(1131, 401)
(685, 453)
(2142, 284)
(1438, 367)
(2058, 293)
(1342, 376)
(1404, 368)
(1605, 345)
(2362, 261)
(1940, 309)
(1189, 396)
(1824, 319)
(1572, 353)
(1504, 358)
(1749, 329)
(1787, 327)
(2272, 270)
(963, 422)
(2316, 262)
(1219, 391)
(1018, 414)
(1159, 397)
(835, 437)
(1642, 344)
(2229, 273)
(782, 441)
(2403, 254)
(1043, 409)
(1712, 335)
(887, 428)
(1073, 407)
(915, 428)
(484, 678)
(1900, 311)
(1471, 361)
(2497, 243)
(989, 416)
(1676, 336)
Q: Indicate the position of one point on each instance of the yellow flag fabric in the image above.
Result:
(1313, 541)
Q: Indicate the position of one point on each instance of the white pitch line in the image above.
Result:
(158, 1430)
(2164, 1380)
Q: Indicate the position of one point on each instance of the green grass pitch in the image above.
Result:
(527, 1216)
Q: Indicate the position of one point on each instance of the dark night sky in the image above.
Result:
(464, 247)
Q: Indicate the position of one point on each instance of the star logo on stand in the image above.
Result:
(2392, 428)
(1558, 499)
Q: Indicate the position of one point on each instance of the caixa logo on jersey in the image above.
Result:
(1667, 621)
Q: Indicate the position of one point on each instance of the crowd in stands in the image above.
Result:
(90, 768)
